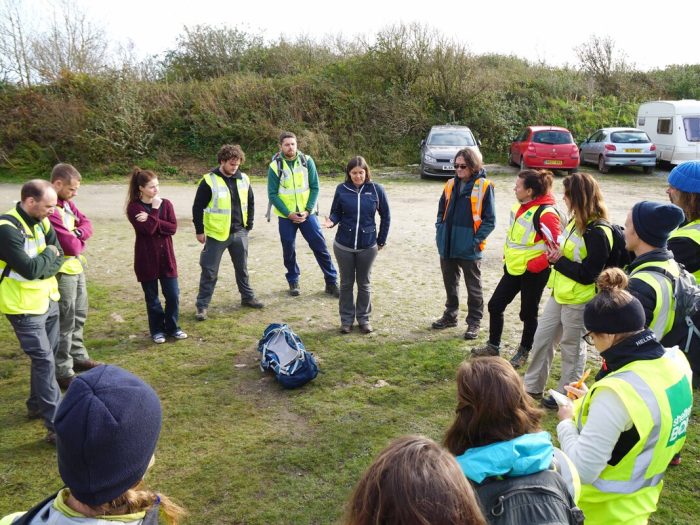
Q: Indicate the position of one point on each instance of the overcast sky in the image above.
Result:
(650, 35)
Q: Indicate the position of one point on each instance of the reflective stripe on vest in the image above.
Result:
(645, 387)
(294, 188)
(72, 264)
(19, 295)
(567, 470)
(476, 199)
(664, 314)
(520, 246)
(692, 232)
(564, 289)
(217, 214)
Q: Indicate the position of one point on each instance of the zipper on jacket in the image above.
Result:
(357, 226)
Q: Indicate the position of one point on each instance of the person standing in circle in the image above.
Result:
(356, 203)
(153, 219)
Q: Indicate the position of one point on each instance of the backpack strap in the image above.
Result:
(278, 159)
(28, 516)
(538, 213)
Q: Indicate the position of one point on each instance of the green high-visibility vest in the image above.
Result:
(691, 231)
(217, 214)
(564, 289)
(658, 397)
(520, 246)
(294, 188)
(19, 295)
(73, 264)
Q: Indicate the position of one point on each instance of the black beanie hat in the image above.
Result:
(107, 427)
(654, 221)
(614, 320)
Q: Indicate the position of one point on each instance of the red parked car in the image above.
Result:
(545, 147)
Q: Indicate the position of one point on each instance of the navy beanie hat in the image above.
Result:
(654, 221)
(618, 320)
(686, 177)
(107, 427)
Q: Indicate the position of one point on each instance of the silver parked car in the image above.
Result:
(609, 147)
(437, 151)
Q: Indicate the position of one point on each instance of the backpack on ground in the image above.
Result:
(619, 256)
(537, 498)
(685, 332)
(283, 352)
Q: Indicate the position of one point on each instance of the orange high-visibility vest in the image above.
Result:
(481, 186)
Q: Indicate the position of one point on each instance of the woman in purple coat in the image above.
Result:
(154, 220)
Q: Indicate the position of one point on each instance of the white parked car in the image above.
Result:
(610, 147)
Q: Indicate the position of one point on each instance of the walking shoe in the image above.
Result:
(158, 339)
(472, 331)
(201, 314)
(444, 322)
(332, 289)
(484, 351)
(294, 289)
(366, 328)
(550, 403)
(85, 364)
(520, 357)
(536, 397)
(179, 334)
(345, 328)
(50, 437)
(251, 302)
(64, 382)
(675, 460)
(33, 414)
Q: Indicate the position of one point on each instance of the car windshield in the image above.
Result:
(451, 138)
(552, 137)
(629, 137)
(692, 128)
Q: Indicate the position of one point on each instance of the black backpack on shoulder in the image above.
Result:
(536, 498)
(619, 256)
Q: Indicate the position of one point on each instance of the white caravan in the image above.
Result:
(674, 126)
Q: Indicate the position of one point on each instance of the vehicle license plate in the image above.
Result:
(449, 167)
(633, 150)
(553, 162)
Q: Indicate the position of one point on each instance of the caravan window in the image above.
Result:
(664, 126)
(692, 128)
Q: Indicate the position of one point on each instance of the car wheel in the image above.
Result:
(648, 169)
(602, 167)
(580, 156)
(522, 164)
(511, 161)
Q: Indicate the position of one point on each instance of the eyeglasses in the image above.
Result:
(461, 166)
(588, 337)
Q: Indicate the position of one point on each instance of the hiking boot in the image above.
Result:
(520, 357)
(444, 322)
(85, 364)
(536, 397)
(550, 403)
(294, 289)
(50, 437)
(484, 351)
(472, 332)
(366, 328)
(64, 382)
(251, 302)
(332, 289)
(33, 414)
(345, 328)
(201, 314)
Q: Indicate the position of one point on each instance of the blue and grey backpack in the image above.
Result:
(283, 352)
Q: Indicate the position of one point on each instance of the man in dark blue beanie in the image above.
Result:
(647, 229)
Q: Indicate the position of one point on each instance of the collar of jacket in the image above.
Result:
(641, 346)
(657, 255)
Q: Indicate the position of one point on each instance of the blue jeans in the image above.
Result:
(38, 338)
(159, 321)
(311, 231)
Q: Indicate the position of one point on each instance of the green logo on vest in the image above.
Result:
(680, 399)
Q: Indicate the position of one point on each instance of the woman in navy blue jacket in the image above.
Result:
(355, 205)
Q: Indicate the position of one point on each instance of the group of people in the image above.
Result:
(617, 438)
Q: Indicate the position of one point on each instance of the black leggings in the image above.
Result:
(530, 286)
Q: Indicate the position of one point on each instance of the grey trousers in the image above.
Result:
(559, 324)
(210, 260)
(38, 338)
(355, 267)
(73, 308)
(451, 269)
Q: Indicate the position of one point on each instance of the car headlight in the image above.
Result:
(428, 158)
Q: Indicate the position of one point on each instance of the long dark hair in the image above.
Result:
(355, 162)
(539, 181)
(586, 199)
(492, 406)
(138, 179)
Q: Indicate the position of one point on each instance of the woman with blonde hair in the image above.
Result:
(107, 429)
(413, 481)
(623, 432)
(577, 259)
